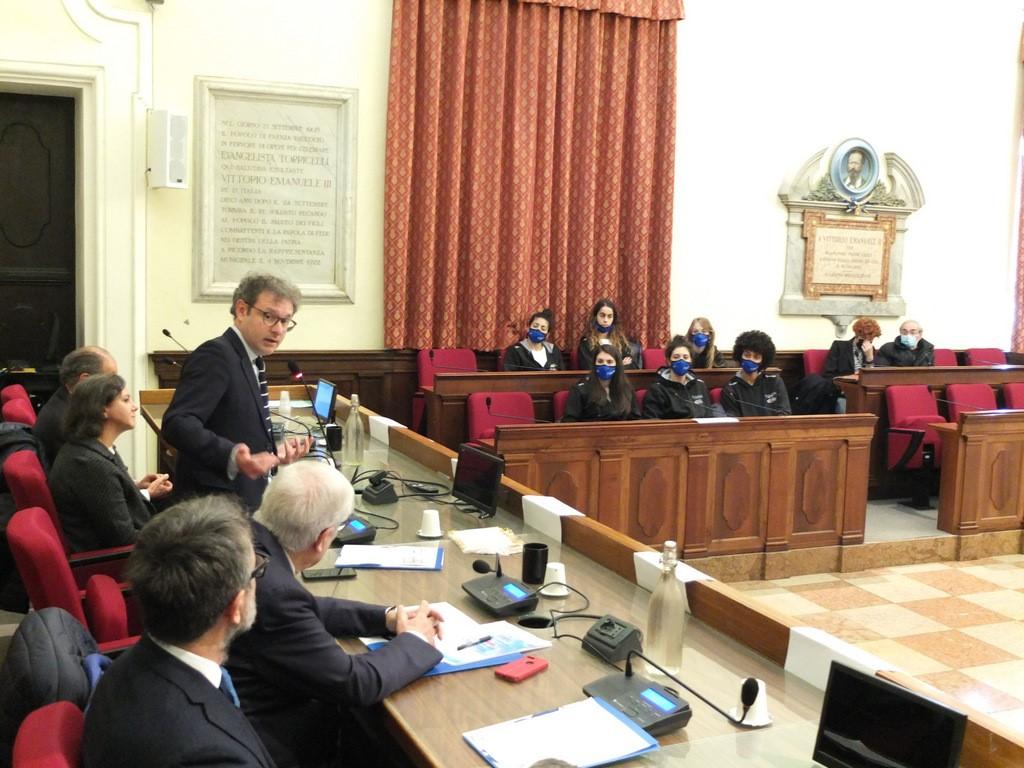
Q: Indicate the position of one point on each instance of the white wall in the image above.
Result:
(763, 85)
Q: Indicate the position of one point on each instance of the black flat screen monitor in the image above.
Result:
(477, 478)
(323, 401)
(867, 722)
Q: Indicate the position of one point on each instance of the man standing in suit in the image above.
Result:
(219, 418)
(294, 680)
(167, 701)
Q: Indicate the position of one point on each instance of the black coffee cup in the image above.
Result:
(535, 561)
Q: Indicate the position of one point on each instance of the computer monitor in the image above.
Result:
(323, 401)
(477, 478)
(867, 722)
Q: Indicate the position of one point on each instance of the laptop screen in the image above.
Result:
(323, 401)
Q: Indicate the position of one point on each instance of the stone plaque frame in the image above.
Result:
(877, 290)
(280, 174)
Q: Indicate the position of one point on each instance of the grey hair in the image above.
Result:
(255, 283)
(304, 499)
(188, 564)
(84, 360)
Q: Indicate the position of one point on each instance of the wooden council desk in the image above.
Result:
(446, 400)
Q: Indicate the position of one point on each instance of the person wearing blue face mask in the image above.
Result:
(752, 392)
(535, 352)
(702, 339)
(676, 393)
(908, 350)
(605, 330)
(604, 395)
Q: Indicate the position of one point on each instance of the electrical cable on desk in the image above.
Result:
(380, 517)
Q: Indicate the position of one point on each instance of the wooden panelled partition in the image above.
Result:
(729, 487)
(982, 466)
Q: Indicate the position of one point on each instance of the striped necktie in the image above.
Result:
(261, 377)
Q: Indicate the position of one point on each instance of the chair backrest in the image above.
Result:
(945, 357)
(964, 398)
(27, 481)
(558, 401)
(654, 357)
(640, 395)
(20, 411)
(716, 395)
(574, 359)
(985, 356)
(42, 563)
(1013, 395)
(486, 410)
(814, 361)
(50, 737)
(13, 392)
(908, 402)
(433, 361)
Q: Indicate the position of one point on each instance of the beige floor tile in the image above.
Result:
(841, 626)
(955, 612)
(1005, 575)
(839, 596)
(788, 603)
(973, 692)
(907, 659)
(891, 620)
(1008, 635)
(955, 582)
(956, 649)
(900, 589)
(1017, 558)
(812, 578)
(1007, 676)
(1010, 603)
(916, 568)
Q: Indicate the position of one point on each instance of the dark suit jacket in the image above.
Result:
(215, 406)
(97, 500)
(49, 426)
(895, 353)
(291, 674)
(152, 710)
(840, 359)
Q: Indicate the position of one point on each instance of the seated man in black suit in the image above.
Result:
(219, 417)
(293, 678)
(168, 702)
(77, 364)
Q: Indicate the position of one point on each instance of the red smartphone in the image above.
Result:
(520, 669)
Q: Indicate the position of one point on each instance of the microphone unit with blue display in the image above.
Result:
(355, 530)
(500, 595)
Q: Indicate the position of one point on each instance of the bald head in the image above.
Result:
(83, 362)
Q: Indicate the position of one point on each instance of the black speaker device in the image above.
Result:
(612, 639)
(500, 595)
(355, 530)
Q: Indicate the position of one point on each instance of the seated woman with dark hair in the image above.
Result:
(604, 330)
(701, 336)
(605, 394)
(98, 502)
(535, 352)
(815, 393)
(676, 393)
(752, 392)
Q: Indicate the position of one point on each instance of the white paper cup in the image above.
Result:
(555, 572)
(430, 524)
(284, 404)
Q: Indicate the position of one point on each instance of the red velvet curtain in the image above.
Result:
(530, 153)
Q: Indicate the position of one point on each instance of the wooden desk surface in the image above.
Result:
(430, 715)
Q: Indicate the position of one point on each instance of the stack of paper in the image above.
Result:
(399, 557)
(487, 541)
(584, 733)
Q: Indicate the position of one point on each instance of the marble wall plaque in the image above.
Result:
(847, 257)
(276, 186)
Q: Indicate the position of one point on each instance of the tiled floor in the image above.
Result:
(957, 626)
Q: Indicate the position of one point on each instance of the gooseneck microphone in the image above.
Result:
(296, 372)
(482, 566)
(184, 349)
(168, 361)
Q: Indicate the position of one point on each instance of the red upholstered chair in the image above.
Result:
(48, 581)
(1013, 395)
(984, 356)
(13, 392)
(912, 444)
(433, 361)
(945, 357)
(486, 410)
(814, 361)
(640, 395)
(20, 411)
(50, 737)
(716, 395)
(558, 402)
(654, 357)
(964, 398)
(27, 481)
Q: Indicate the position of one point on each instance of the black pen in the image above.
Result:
(464, 646)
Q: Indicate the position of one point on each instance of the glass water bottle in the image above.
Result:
(666, 614)
(355, 437)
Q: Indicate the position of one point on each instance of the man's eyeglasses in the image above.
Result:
(262, 561)
(270, 319)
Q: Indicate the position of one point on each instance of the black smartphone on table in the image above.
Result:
(315, 574)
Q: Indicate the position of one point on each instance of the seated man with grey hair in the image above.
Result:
(77, 364)
(293, 678)
(219, 417)
(167, 701)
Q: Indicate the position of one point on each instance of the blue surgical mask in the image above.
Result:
(749, 366)
(536, 336)
(701, 339)
(680, 367)
(604, 372)
(908, 340)
(604, 328)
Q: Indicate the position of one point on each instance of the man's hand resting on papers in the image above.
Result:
(423, 619)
